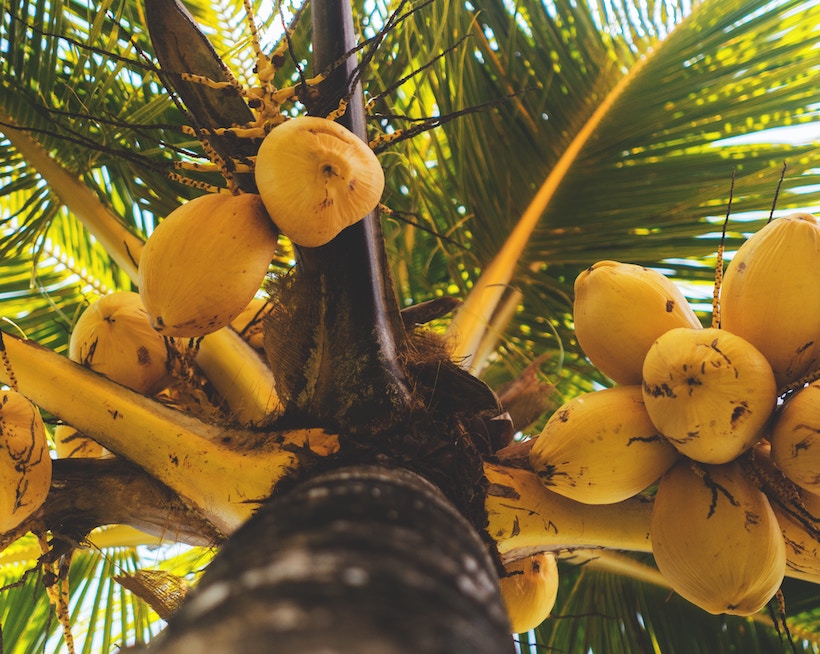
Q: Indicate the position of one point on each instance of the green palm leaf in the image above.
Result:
(593, 617)
(104, 615)
(652, 178)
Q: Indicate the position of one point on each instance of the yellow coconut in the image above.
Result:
(203, 264)
(316, 177)
(619, 311)
(795, 438)
(601, 447)
(529, 590)
(708, 391)
(113, 336)
(771, 295)
(716, 539)
(797, 512)
(25, 463)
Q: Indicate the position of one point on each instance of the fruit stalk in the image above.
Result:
(222, 474)
(525, 517)
(90, 493)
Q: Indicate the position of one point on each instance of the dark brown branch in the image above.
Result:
(90, 493)
(181, 47)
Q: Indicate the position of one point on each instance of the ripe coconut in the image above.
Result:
(203, 264)
(771, 295)
(797, 512)
(601, 447)
(529, 590)
(25, 463)
(716, 539)
(114, 337)
(619, 311)
(316, 177)
(708, 391)
(795, 438)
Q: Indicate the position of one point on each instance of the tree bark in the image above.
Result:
(359, 560)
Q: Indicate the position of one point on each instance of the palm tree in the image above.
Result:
(603, 132)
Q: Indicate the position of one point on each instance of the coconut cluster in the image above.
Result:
(200, 271)
(691, 404)
(207, 259)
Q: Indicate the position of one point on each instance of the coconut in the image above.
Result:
(203, 264)
(25, 463)
(601, 447)
(619, 311)
(708, 391)
(316, 178)
(72, 444)
(529, 589)
(799, 522)
(716, 539)
(795, 438)
(114, 337)
(771, 295)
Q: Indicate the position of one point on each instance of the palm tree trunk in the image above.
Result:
(358, 560)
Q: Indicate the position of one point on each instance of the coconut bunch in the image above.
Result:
(204, 263)
(603, 447)
(690, 402)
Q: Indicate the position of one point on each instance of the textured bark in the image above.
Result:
(360, 560)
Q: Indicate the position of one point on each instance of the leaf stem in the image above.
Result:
(474, 316)
(344, 316)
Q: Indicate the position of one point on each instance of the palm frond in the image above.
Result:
(654, 176)
(602, 612)
(104, 615)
